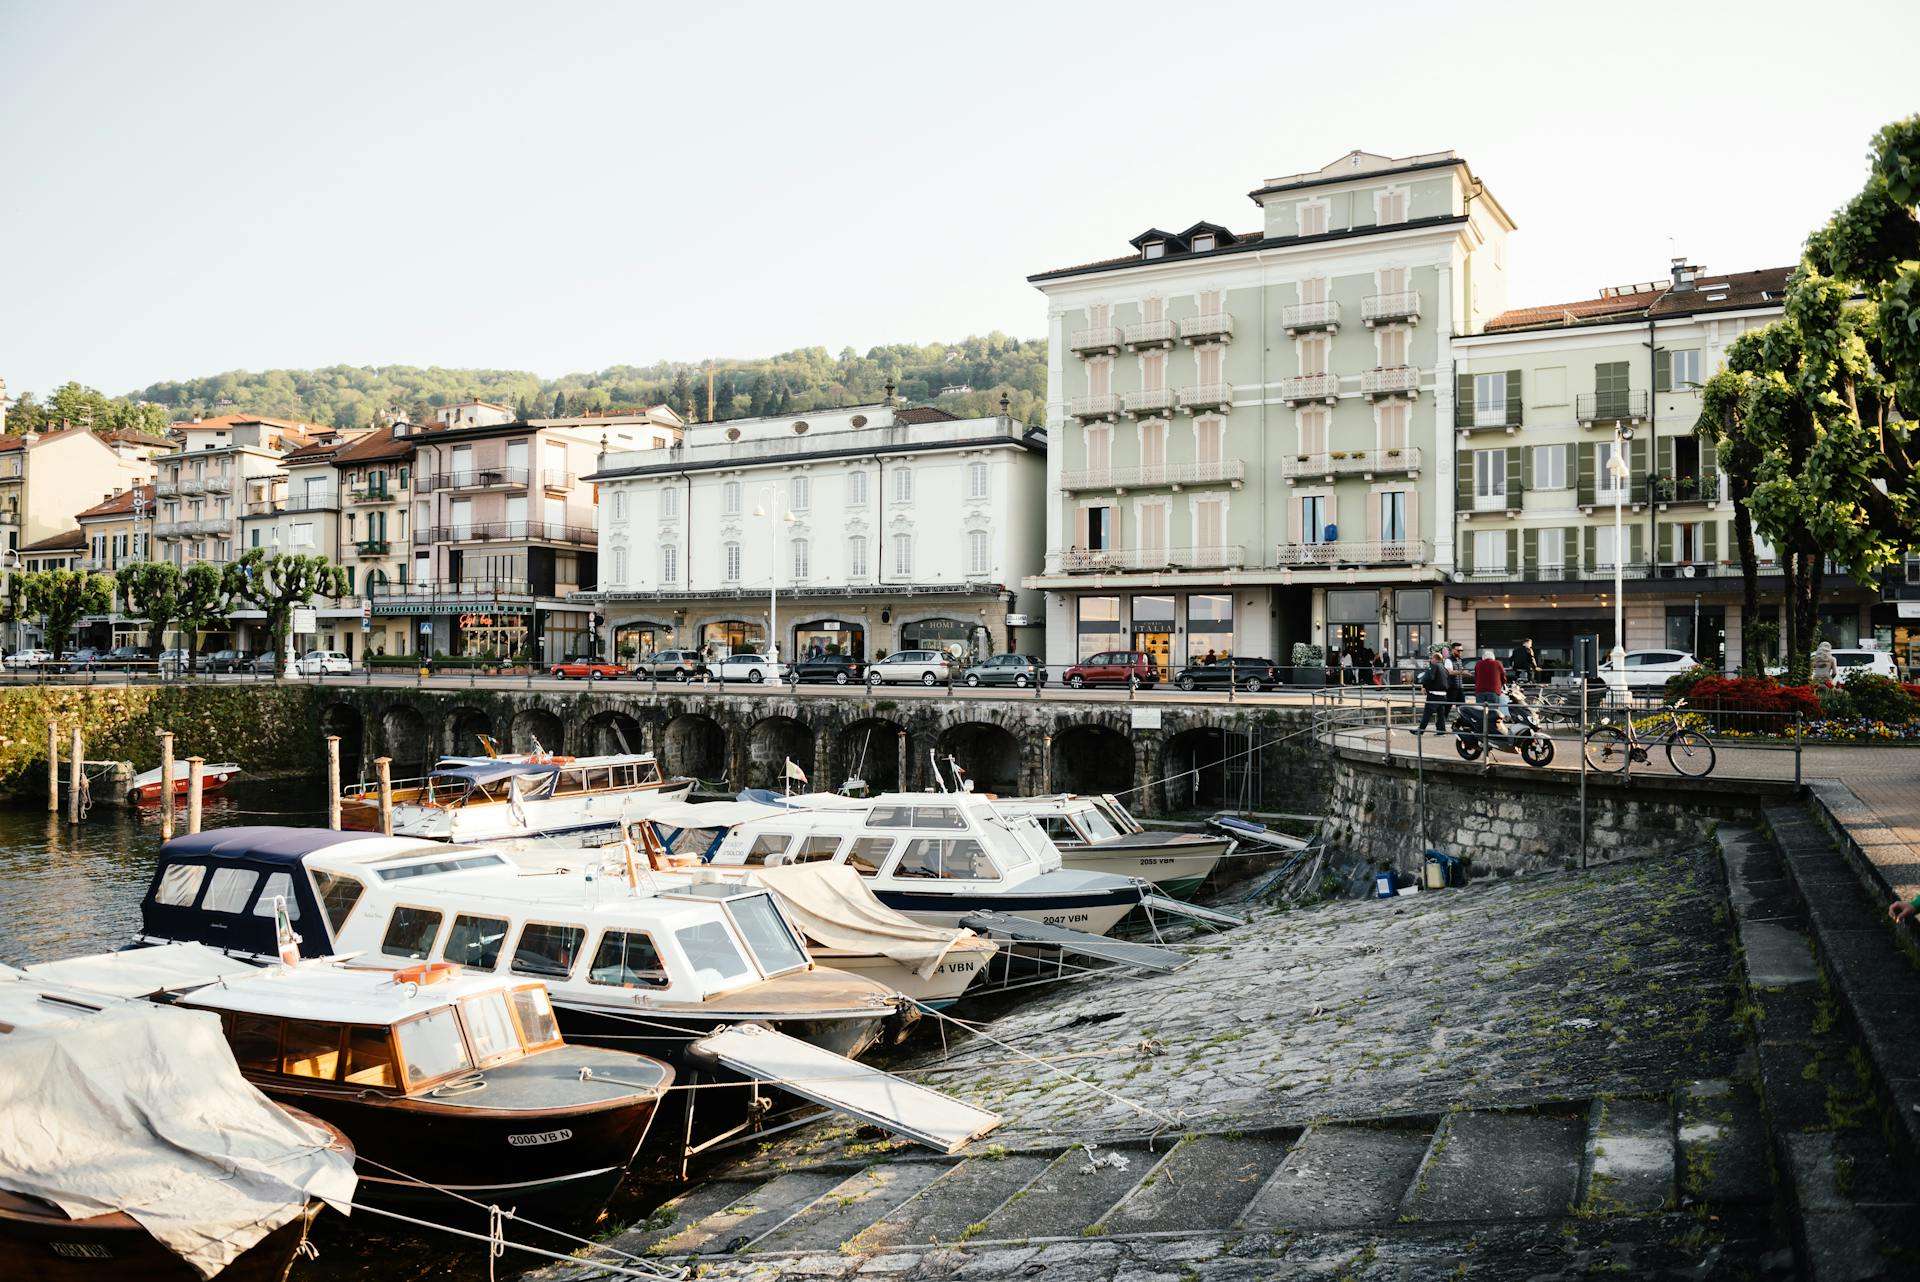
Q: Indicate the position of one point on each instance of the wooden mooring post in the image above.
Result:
(383, 771)
(900, 781)
(194, 765)
(53, 768)
(76, 775)
(166, 785)
(333, 782)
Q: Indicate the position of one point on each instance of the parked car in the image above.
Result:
(928, 667)
(172, 663)
(227, 661)
(1878, 662)
(672, 665)
(262, 663)
(841, 669)
(31, 657)
(1114, 668)
(324, 663)
(1007, 670)
(86, 657)
(1251, 675)
(1647, 669)
(587, 669)
(749, 667)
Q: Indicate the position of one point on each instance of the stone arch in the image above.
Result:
(869, 749)
(344, 720)
(1195, 767)
(405, 739)
(465, 725)
(694, 744)
(989, 754)
(770, 743)
(1092, 758)
(612, 732)
(531, 724)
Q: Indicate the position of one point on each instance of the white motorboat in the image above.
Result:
(1098, 834)
(482, 799)
(145, 789)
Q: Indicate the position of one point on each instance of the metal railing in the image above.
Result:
(1350, 462)
(371, 494)
(1101, 338)
(1610, 407)
(1390, 380)
(373, 547)
(1466, 418)
(1148, 400)
(1299, 317)
(1107, 478)
(479, 478)
(789, 444)
(1158, 333)
(1401, 305)
(1121, 560)
(491, 531)
(1212, 327)
(1094, 405)
(1206, 396)
(1310, 387)
(1353, 553)
(1686, 489)
(555, 479)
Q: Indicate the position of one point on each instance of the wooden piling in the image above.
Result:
(1046, 765)
(166, 785)
(900, 781)
(383, 771)
(333, 782)
(194, 765)
(76, 780)
(53, 768)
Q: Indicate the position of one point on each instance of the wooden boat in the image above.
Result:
(145, 788)
(1097, 834)
(482, 799)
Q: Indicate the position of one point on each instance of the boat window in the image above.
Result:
(230, 890)
(949, 858)
(256, 1042)
(1098, 826)
(710, 950)
(410, 933)
(475, 941)
(490, 1028)
(432, 1047)
(890, 817)
(338, 895)
(546, 950)
(816, 848)
(432, 866)
(180, 885)
(773, 944)
(310, 1050)
(279, 886)
(1058, 829)
(693, 842)
(369, 1057)
(534, 1009)
(869, 855)
(766, 844)
(945, 818)
(627, 959)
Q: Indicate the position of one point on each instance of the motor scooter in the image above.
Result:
(1484, 727)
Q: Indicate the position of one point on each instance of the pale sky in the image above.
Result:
(196, 187)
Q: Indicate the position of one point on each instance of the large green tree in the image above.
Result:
(150, 590)
(61, 597)
(279, 585)
(205, 601)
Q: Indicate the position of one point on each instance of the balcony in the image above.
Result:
(1390, 380)
(1592, 409)
(1363, 463)
(370, 494)
(1136, 560)
(265, 507)
(1149, 402)
(191, 485)
(1504, 418)
(189, 529)
(373, 547)
(1345, 555)
(1303, 318)
(1310, 387)
(1596, 495)
(393, 598)
(1157, 476)
(1101, 339)
(1217, 328)
(1207, 396)
(1097, 405)
(1158, 333)
(786, 447)
(1686, 489)
(1390, 309)
(508, 531)
(166, 489)
(480, 478)
(556, 480)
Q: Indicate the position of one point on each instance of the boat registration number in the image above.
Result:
(81, 1251)
(539, 1137)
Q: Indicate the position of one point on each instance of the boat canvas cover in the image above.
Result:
(142, 1110)
(144, 972)
(833, 907)
(941, 1122)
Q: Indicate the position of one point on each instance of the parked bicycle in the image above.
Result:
(1610, 747)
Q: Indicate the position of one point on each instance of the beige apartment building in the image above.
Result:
(46, 479)
(203, 485)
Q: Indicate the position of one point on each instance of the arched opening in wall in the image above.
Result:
(988, 753)
(404, 738)
(1195, 767)
(346, 722)
(537, 730)
(694, 745)
(1092, 759)
(613, 732)
(869, 750)
(770, 744)
(464, 728)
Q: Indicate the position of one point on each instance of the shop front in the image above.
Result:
(1174, 629)
(957, 638)
(502, 634)
(821, 637)
(733, 636)
(635, 640)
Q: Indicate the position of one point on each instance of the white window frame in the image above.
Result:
(1393, 516)
(669, 503)
(1490, 399)
(1605, 550)
(857, 557)
(1496, 540)
(857, 488)
(1489, 480)
(730, 562)
(903, 555)
(1543, 476)
(1604, 481)
(799, 493)
(802, 559)
(669, 563)
(903, 485)
(730, 498)
(979, 552)
(979, 480)
(1674, 380)
(1550, 552)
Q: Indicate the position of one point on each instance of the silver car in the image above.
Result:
(928, 667)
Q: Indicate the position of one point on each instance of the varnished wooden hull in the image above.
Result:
(40, 1245)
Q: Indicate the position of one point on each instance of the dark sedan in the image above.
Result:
(1251, 675)
(841, 669)
(1007, 670)
(229, 661)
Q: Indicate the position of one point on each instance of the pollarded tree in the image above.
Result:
(279, 585)
(62, 597)
(150, 590)
(205, 601)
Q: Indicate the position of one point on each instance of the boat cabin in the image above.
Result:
(474, 781)
(220, 888)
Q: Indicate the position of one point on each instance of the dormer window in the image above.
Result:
(1154, 249)
(1203, 242)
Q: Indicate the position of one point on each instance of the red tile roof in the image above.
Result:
(375, 447)
(923, 414)
(1711, 292)
(1575, 312)
(121, 503)
(66, 541)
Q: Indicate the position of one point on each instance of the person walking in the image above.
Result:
(1346, 666)
(1524, 664)
(1433, 679)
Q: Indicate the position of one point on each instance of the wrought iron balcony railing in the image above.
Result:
(1591, 408)
(1346, 553)
(1386, 309)
(1334, 463)
(1300, 318)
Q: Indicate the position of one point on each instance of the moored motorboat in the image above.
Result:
(1097, 834)
(481, 799)
(145, 789)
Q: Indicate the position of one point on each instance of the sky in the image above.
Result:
(197, 187)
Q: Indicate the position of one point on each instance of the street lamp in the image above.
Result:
(1621, 473)
(769, 501)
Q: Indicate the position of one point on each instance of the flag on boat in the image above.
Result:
(795, 772)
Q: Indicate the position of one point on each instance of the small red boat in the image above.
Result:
(145, 789)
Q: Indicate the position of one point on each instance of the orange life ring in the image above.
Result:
(425, 973)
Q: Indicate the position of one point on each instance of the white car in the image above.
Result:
(748, 667)
(30, 658)
(928, 667)
(1650, 668)
(1878, 662)
(324, 663)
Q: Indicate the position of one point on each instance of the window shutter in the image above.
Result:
(1570, 550)
(1413, 515)
(1514, 487)
(1666, 543)
(1586, 455)
(1588, 548)
(1373, 517)
(1636, 544)
(1464, 545)
(1529, 551)
(1513, 550)
(1637, 459)
(1080, 528)
(1513, 397)
(1666, 456)
(1464, 468)
(1463, 400)
(1294, 521)
(1709, 536)
(1526, 468)
(1663, 370)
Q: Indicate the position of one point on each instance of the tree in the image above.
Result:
(13, 601)
(150, 590)
(204, 602)
(279, 585)
(61, 597)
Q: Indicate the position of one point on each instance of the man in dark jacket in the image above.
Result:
(1522, 664)
(1434, 679)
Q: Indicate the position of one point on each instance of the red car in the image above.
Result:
(1113, 668)
(588, 669)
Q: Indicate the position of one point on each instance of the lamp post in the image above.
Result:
(769, 502)
(1622, 474)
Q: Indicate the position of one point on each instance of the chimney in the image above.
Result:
(1684, 275)
(889, 391)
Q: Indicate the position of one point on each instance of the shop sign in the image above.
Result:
(501, 620)
(1909, 609)
(1019, 621)
(306, 619)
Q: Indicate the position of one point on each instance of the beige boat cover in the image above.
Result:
(142, 1109)
(833, 907)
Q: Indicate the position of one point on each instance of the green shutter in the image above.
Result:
(1513, 550)
(1464, 551)
(1662, 370)
(1526, 467)
(1463, 400)
(1636, 544)
(1529, 551)
(1585, 455)
(1638, 451)
(1513, 398)
(1464, 468)
(1709, 537)
(1666, 456)
(403, 475)
(1587, 548)
(1570, 549)
(1666, 543)
(1514, 486)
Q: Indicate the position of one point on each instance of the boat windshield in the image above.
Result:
(773, 944)
(535, 1011)
(1030, 836)
(710, 950)
(490, 1028)
(1096, 825)
(432, 1047)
